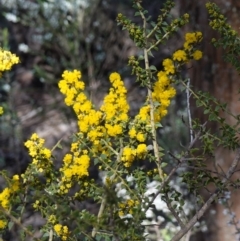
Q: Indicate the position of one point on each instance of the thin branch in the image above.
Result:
(50, 235)
(207, 204)
(154, 30)
(160, 40)
(181, 161)
(193, 159)
(100, 213)
(18, 223)
(112, 149)
(189, 110)
(174, 213)
(204, 104)
(104, 198)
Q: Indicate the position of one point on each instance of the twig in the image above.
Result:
(159, 41)
(19, 224)
(57, 145)
(189, 110)
(181, 161)
(174, 213)
(205, 105)
(50, 235)
(104, 198)
(100, 213)
(31, 114)
(112, 149)
(207, 204)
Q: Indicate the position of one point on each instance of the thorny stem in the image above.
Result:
(112, 149)
(175, 214)
(152, 122)
(189, 110)
(207, 204)
(50, 235)
(24, 203)
(181, 161)
(104, 198)
(160, 40)
(18, 223)
(153, 30)
(159, 23)
(204, 104)
(100, 213)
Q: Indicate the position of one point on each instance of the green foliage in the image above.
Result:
(229, 39)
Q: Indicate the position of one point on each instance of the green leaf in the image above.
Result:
(181, 202)
(161, 154)
(150, 54)
(212, 117)
(96, 161)
(152, 67)
(164, 164)
(206, 111)
(137, 14)
(10, 225)
(59, 146)
(103, 156)
(153, 24)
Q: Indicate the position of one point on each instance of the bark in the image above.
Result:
(214, 75)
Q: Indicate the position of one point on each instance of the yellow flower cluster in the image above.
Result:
(136, 133)
(76, 163)
(112, 118)
(1, 110)
(180, 55)
(94, 125)
(127, 207)
(5, 195)
(74, 166)
(3, 224)
(163, 92)
(197, 54)
(190, 40)
(129, 154)
(15, 183)
(41, 155)
(7, 60)
(61, 231)
(115, 106)
(72, 87)
(168, 66)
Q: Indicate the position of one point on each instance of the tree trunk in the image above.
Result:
(213, 75)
